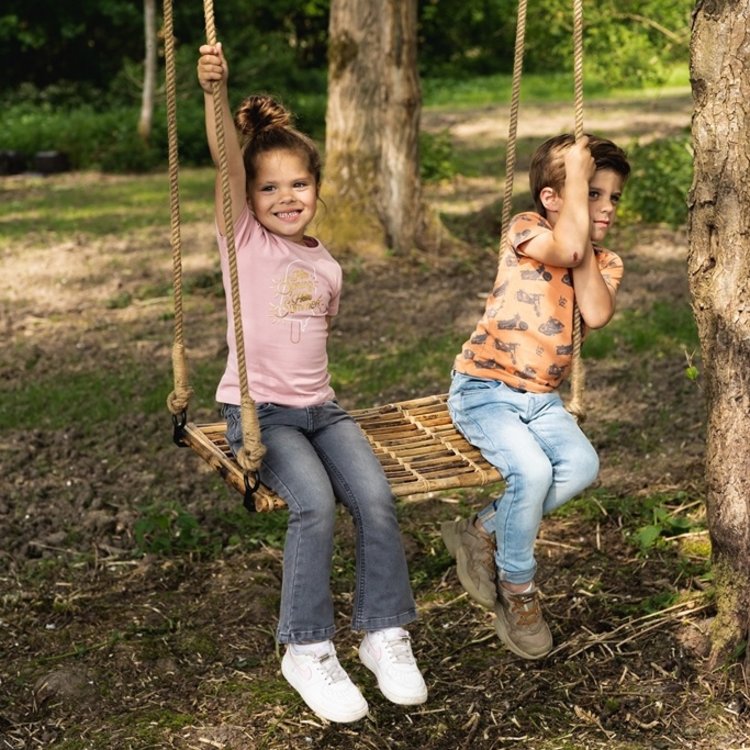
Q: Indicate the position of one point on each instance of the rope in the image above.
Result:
(510, 154)
(251, 454)
(178, 399)
(577, 373)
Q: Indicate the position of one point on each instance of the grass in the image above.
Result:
(468, 93)
(408, 364)
(54, 401)
(115, 205)
(660, 330)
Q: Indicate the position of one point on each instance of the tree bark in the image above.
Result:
(719, 272)
(372, 190)
(149, 70)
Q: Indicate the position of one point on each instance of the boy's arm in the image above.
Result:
(568, 243)
(595, 298)
(213, 67)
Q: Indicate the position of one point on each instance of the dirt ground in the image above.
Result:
(102, 647)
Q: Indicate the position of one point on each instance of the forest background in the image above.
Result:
(73, 71)
(137, 598)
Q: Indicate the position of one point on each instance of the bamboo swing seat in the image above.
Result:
(415, 441)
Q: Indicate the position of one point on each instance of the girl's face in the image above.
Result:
(283, 195)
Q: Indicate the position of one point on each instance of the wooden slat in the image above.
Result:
(415, 441)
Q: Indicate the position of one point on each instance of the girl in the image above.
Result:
(315, 453)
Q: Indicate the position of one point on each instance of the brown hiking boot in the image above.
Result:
(474, 550)
(520, 623)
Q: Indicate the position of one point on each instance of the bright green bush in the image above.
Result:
(108, 140)
(662, 172)
(436, 157)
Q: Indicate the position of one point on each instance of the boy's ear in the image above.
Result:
(550, 199)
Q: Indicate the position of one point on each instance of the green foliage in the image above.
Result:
(626, 42)
(655, 519)
(92, 140)
(659, 330)
(436, 157)
(662, 172)
(251, 530)
(664, 523)
(109, 141)
(73, 76)
(168, 529)
(478, 38)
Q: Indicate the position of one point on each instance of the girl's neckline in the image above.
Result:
(308, 241)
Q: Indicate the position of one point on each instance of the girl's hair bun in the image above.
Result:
(259, 113)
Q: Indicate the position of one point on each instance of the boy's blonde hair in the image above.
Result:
(547, 168)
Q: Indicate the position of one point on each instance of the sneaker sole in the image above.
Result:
(502, 633)
(339, 718)
(462, 570)
(448, 532)
(410, 700)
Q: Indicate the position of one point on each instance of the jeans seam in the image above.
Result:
(353, 507)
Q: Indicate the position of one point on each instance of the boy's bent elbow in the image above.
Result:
(576, 254)
(598, 319)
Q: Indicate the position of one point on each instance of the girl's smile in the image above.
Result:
(283, 194)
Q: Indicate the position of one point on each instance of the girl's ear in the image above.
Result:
(550, 199)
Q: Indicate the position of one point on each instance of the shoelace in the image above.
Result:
(400, 650)
(526, 608)
(331, 668)
(486, 552)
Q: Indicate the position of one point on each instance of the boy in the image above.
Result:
(504, 393)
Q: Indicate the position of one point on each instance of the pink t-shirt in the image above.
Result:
(286, 292)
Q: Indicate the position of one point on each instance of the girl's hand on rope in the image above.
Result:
(212, 66)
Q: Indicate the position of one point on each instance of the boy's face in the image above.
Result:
(605, 191)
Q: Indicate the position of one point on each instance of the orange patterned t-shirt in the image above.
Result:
(525, 337)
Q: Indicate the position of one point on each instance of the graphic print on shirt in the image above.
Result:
(524, 337)
(297, 298)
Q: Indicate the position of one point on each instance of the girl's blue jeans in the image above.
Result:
(316, 456)
(541, 452)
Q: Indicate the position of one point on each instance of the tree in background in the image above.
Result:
(149, 69)
(372, 186)
(719, 271)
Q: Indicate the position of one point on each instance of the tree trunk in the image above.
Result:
(372, 190)
(149, 70)
(719, 269)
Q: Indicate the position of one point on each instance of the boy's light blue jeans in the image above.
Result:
(314, 457)
(541, 452)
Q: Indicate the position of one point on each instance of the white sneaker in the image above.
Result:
(388, 654)
(324, 685)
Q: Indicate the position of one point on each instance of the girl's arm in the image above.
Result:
(212, 66)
